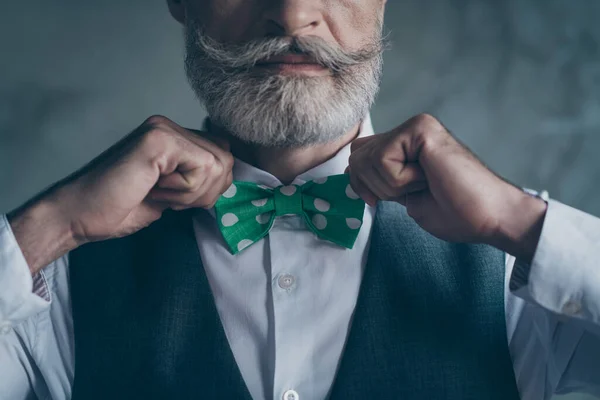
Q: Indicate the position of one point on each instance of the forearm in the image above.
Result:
(41, 231)
(519, 226)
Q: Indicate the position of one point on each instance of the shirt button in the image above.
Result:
(286, 281)
(5, 328)
(291, 395)
(572, 308)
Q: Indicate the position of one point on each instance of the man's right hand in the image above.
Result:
(158, 166)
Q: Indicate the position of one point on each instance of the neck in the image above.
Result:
(285, 163)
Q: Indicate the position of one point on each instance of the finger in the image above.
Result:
(173, 197)
(203, 140)
(398, 174)
(149, 210)
(218, 140)
(199, 164)
(215, 188)
(358, 143)
(373, 180)
(190, 180)
(361, 190)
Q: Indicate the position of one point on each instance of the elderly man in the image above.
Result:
(241, 262)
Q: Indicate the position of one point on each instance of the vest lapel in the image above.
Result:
(155, 332)
(429, 321)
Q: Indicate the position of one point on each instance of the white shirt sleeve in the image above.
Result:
(36, 344)
(18, 301)
(561, 290)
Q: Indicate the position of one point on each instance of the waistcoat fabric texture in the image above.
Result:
(429, 321)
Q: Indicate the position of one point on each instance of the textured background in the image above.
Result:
(517, 80)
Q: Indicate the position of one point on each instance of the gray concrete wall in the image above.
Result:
(517, 80)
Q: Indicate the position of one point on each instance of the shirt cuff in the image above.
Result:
(21, 296)
(564, 275)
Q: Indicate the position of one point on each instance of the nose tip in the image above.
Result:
(293, 18)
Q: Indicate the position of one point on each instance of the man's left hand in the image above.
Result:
(445, 188)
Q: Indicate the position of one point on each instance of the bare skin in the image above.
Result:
(285, 163)
(445, 188)
(162, 165)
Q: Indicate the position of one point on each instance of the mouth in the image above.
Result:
(293, 64)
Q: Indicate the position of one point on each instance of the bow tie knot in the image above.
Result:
(329, 207)
(288, 200)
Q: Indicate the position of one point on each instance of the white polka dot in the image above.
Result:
(229, 219)
(259, 202)
(263, 218)
(320, 181)
(351, 193)
(322, 205)
(244, 243)
(231, 191)
(319, 221)
(353, 223)
(288, 190)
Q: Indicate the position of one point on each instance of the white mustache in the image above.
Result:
(231, 57)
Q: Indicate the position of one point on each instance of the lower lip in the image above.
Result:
(293, 68)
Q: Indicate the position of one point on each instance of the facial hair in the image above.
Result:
(275, 110)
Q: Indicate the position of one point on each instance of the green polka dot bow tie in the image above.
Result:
(329, 207)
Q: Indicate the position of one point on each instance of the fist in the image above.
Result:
(158, 166)
(443, 186)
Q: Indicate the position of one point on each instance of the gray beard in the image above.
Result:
(277, 110)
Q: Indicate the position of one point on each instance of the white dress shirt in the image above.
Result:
(286, 304)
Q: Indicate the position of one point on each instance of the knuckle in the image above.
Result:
(192, 182)
(427, 127)
(388, 167)
(425, 120)
(431, 142)
(153, 145)
(209, 163)
(210, 159)
(228, 161)
(156, 121)
(154, 138)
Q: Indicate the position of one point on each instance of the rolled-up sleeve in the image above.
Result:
(36, 343)
(21, 296)
(563, 279)
(564, 275)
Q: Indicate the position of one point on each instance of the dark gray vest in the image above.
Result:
(429, 321)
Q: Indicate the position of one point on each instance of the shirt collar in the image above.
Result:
(243, 171)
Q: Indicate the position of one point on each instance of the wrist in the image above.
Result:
(519, 226)
(42, 232)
